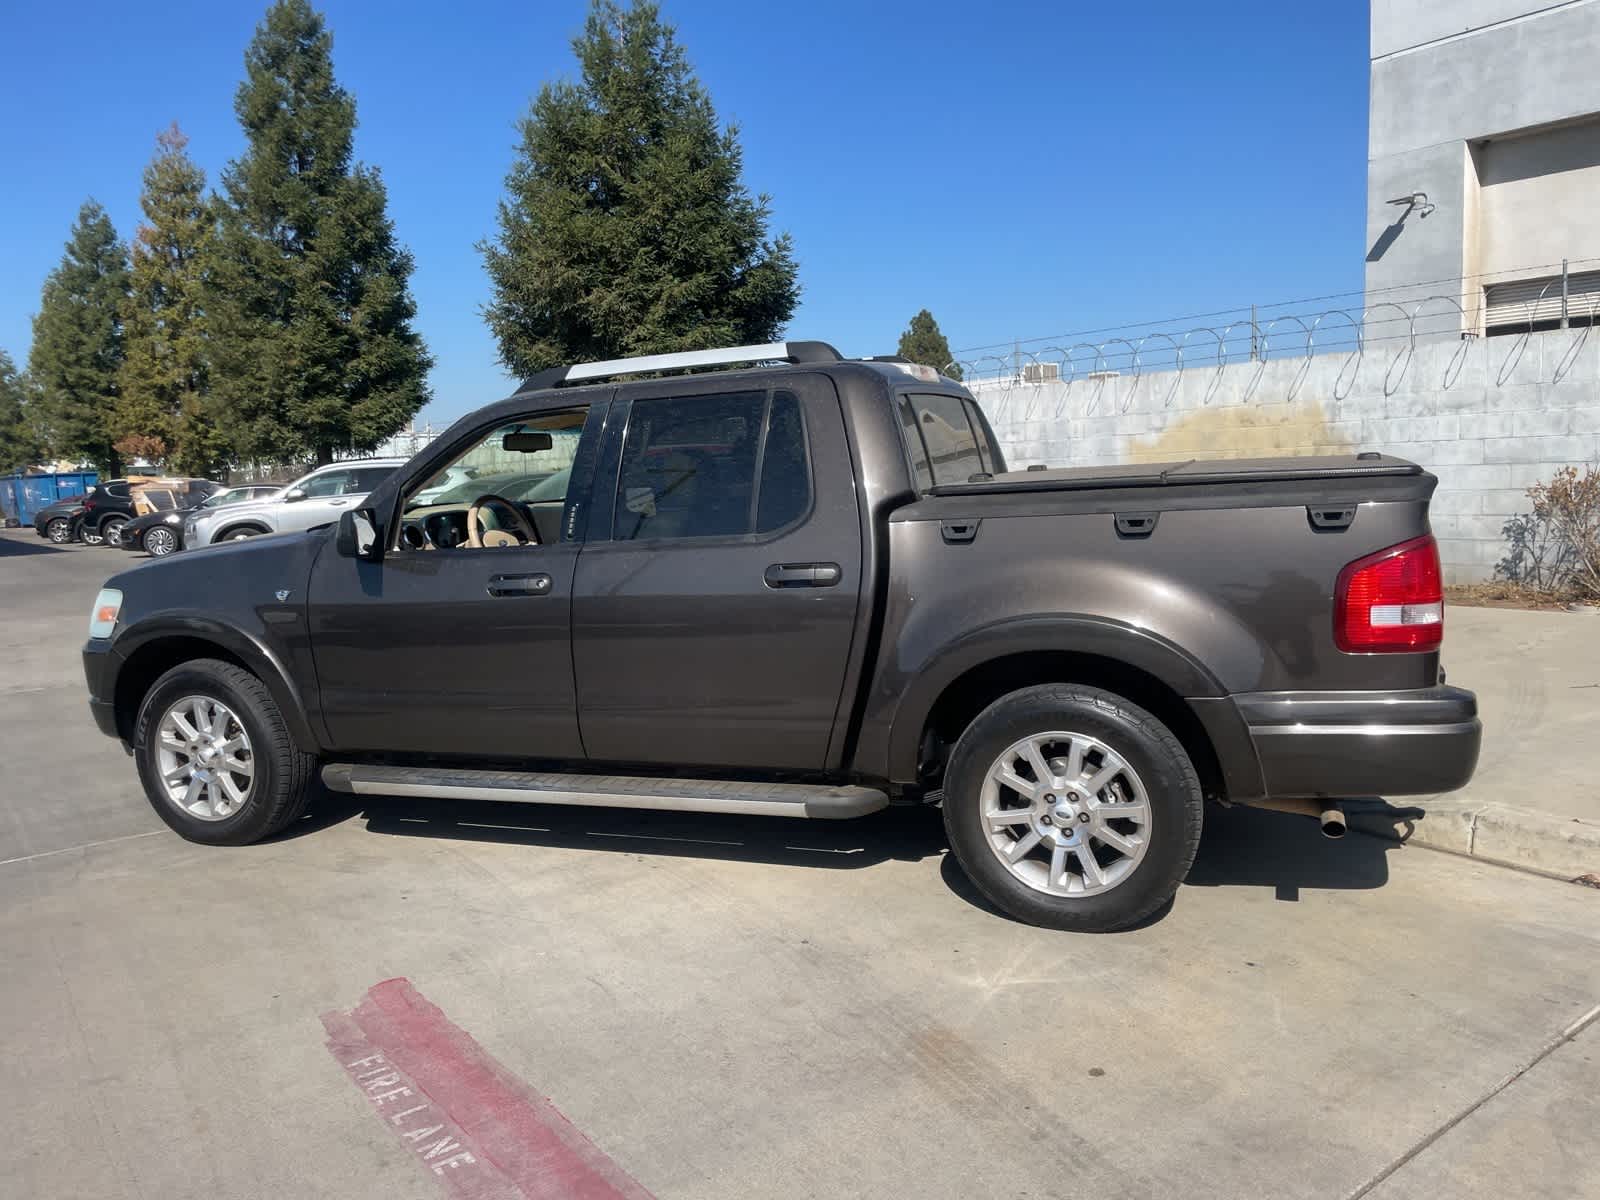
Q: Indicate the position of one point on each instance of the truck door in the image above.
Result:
(445, 648)
(714, 606)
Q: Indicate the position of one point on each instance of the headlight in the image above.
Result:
(103, 618)
(173, 519)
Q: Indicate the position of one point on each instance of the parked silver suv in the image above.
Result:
(314, 499)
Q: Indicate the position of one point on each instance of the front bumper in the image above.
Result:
(1346, 744)
(100, 666)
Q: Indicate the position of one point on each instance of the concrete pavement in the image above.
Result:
(733, 1007)
(1534, 801)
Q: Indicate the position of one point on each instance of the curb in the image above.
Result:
(1560, 847)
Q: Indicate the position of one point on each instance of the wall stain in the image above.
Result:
(1243, 431)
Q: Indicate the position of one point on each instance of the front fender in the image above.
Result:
(257, 655)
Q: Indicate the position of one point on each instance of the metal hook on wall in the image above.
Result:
(1570, 356)
(1351, 365)
(1133, 383)
(1177, 374)
(1508, 364)
(1402, 357)
(1452, 369)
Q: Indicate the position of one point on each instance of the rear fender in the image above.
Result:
(1100, 637)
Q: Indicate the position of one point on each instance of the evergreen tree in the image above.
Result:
(309, 309)
(924, 343)
(164, 368)
(19, 446)
(77, 343)
(626, 228)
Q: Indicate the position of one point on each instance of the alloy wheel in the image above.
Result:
(204, 756)
(1065, 814)
(160, 542)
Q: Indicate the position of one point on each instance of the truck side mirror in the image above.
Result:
(358, 535)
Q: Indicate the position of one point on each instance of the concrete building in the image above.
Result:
(1483, 165)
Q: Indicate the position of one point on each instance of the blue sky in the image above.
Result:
(1022, 169)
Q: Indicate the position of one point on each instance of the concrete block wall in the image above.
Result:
(1490, 417)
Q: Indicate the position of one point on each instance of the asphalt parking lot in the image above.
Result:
(729, 1007)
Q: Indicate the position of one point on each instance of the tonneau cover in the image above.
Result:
(1190, 472)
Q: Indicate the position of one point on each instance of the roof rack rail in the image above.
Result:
(793, 352)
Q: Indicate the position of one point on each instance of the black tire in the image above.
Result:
(111, 530)
(1173, 789)
(238, 534)
(284, 775)
(159, 541)
(59, 531)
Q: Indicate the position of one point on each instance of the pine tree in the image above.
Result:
(626, 228)
(19, 445)
(164, 368)
(309, 310)
(924, 343)
(77, 343)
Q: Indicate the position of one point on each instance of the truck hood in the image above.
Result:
(214, 577)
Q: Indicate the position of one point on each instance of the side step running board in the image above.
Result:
(608, 791)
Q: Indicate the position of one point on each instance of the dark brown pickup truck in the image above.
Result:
(808, 588)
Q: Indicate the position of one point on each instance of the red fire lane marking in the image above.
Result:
(510, 1140)
(422, 1126)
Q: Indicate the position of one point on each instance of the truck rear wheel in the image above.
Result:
(216, 759)
(1072, 808)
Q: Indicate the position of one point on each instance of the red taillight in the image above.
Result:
(88, 502)
(1391, 601)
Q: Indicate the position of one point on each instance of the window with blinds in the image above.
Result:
(1537, 303)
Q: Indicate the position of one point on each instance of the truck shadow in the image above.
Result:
(1253, 848)
(1243, 848)
(904, 834)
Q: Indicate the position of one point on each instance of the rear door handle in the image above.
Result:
(519, 585)
(789, 575)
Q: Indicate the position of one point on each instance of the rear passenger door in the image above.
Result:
(715, 601)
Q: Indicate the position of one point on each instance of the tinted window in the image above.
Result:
(785, 471)
(952, 446)
(992, 462)
(692, 466)
(329, 483)
(921, 472)
(370, 477)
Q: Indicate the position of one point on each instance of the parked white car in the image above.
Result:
(314, 499)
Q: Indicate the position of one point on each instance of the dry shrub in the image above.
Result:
(1555, 549)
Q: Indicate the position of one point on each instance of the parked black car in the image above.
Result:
(59, 521)
(107, 507)
(161, 533)
(813, 588)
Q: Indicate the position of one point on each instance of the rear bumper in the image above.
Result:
(1346, 744)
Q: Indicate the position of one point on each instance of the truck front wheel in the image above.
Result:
(216, 759)
(1072, 808)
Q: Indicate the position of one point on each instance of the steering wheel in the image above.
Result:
(478, 537)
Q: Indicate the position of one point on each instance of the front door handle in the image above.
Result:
(789, 575)
(337, 503)
(519, 585)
